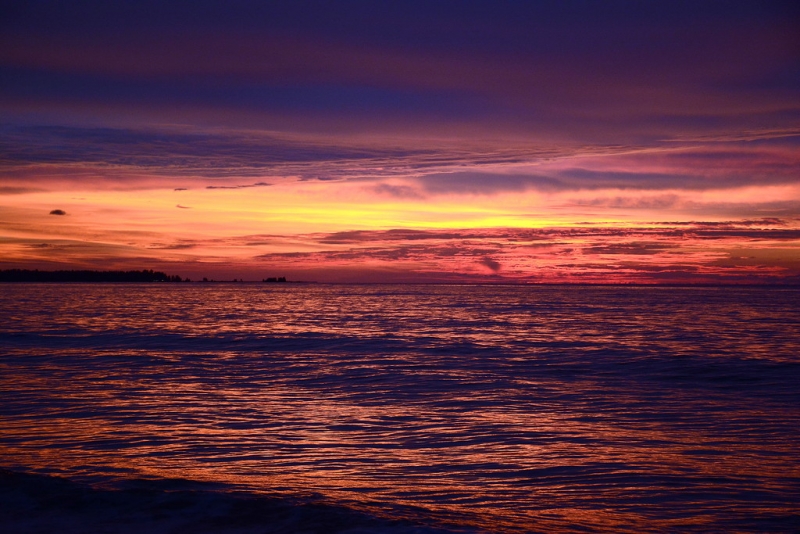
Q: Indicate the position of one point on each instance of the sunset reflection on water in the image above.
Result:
(502, 408)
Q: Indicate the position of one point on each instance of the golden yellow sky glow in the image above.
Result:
(289, 228)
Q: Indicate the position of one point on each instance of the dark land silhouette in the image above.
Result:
(26, 275)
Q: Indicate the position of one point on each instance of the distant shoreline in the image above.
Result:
(87, 276)
(150, 276)
(102, 277)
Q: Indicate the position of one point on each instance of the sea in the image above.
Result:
(314, 408)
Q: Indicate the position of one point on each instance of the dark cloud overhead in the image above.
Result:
(557, 66)
(170, 150)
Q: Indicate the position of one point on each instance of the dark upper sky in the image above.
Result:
(621, 71)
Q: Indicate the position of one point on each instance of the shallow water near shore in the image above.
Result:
(403, 408)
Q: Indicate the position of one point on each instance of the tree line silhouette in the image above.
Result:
(146, 275)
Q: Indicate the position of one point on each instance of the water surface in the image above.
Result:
(485, 408)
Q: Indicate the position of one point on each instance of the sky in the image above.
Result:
(417, 141)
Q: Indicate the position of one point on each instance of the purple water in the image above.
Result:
(346, 408)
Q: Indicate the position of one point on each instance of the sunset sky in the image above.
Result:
(431, 141)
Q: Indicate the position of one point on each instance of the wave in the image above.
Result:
(39, 503)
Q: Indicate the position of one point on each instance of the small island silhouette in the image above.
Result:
(26, 275)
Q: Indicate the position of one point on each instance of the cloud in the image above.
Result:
(745, 250)
(778, 209)
(484, 183)
(490, 263)
(744, 135)
(61, 153)
(217, 154)
(588, 179)
(174, 246)
(788, 234)
(628, 248)
(691, 253)
(763, 221)
(258, 184)
(656, 202)
(142, 158)
(58, 212)
(397, 191)
(403, 235)
(183, 207)
(11, 190)
(689, 169)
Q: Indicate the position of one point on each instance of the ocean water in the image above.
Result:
(398, 408)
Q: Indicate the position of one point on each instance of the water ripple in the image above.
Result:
(504, 409)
